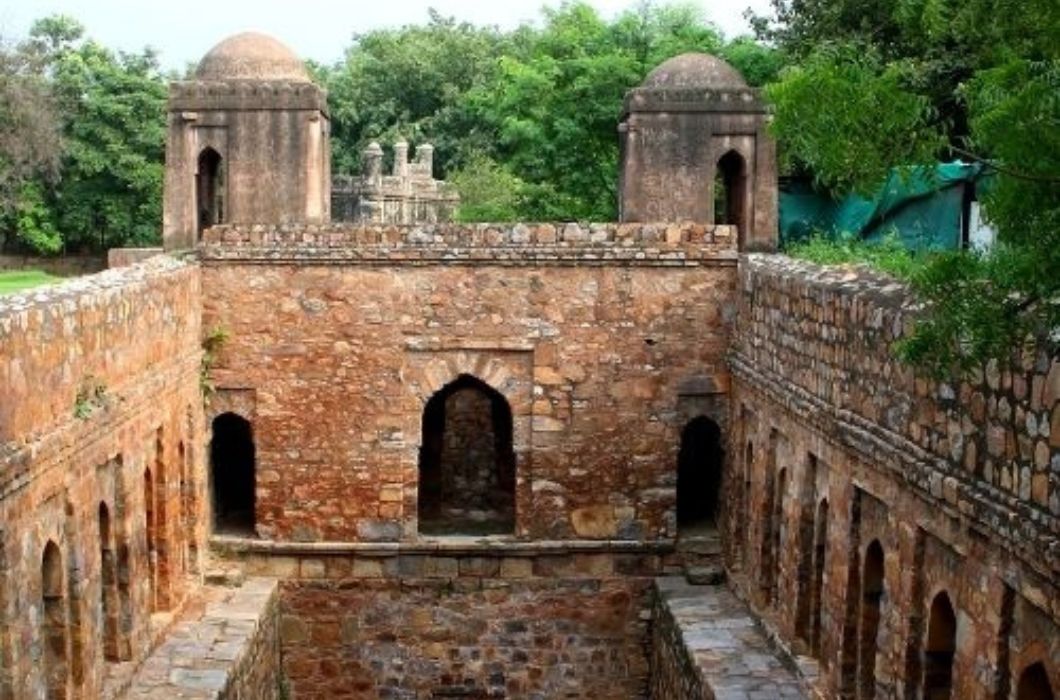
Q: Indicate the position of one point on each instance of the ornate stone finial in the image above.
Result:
(425, 158)
(372, 162)
(401, 158)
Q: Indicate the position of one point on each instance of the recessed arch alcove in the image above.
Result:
(699, 465)
(233, 475)
(210, 189)
(466, 461)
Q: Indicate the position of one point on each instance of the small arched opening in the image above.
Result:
(1034, 684)
(819, 552)
(232, 475)
(108, 593)
(467, 461)
(55, 631)
(871, 596)
(730, 190)
(777, 537)
(210, 189)
(699, 464)
(151, 528)
(939, 648)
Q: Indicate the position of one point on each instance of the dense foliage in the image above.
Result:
(98, 117)
(524, 121)
(914, 80)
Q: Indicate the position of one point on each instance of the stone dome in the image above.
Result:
(694, 70)
(252, 56)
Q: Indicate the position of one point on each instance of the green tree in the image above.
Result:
(113, 108)
(30, 146)
(894, 82)
(408, 83)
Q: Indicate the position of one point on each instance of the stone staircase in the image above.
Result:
(699, 557)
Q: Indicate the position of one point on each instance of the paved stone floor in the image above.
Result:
(200, 655)
(730, 649)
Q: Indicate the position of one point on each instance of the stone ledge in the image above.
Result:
(714, 648)
(220, 654)
(478, 546)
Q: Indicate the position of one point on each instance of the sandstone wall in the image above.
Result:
(839, 449)
(673, 669)
(100, 385)
(470, 638)
(604, 340)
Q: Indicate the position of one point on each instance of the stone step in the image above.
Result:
(228, 577)
(705, 575)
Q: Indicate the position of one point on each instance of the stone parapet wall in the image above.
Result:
(231, 651)
(871, 496)
(445, 558)
(706, 645)
(100, 425)
(988, 449)
(105, 329)
(568, 638)
(545, 243)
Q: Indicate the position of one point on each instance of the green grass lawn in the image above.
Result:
(18, 280)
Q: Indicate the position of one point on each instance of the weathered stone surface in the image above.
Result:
(228, 652)
(706, 644)
(581, 638)
(101, 412)
(843, 452)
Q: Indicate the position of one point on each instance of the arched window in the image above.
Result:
(232, 475)
(467, 464)
(210, 189)
(1034, 684)
(699, 464)
(819, 552)
(871, 594)
(54, 630)
(108, 591)
(939, 649)
(730, 185)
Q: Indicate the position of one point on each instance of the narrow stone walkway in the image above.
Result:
(726, 648)
(230, 651)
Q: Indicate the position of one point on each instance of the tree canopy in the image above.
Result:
(910, 81)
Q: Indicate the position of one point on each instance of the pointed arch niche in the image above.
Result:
(209, 189)
(466, 461)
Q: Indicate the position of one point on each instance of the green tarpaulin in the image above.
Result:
(924, 206)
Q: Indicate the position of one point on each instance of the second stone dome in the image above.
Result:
(252, 56)
(692, 71)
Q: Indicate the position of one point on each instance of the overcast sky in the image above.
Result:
(183, 30)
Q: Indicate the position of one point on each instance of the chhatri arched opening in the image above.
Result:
(108, 590)
(699, 464)
(871, 595)
(210, 189)
(467, 463)
(54, 627)
(939, 648)
(1034, 684)
(730, 185)
(232, 475)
